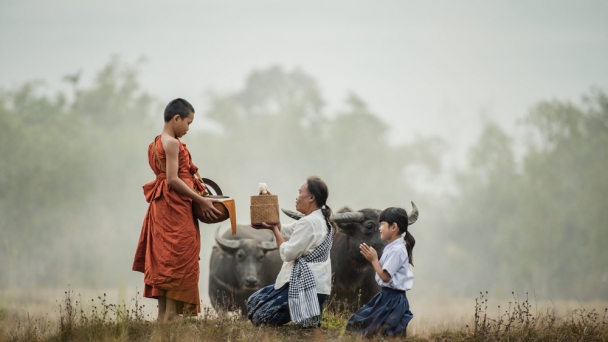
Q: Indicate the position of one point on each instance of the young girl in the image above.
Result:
(388, 313)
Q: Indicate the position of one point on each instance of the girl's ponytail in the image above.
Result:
(409, 246)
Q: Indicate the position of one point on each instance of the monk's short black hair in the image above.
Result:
(179, 107)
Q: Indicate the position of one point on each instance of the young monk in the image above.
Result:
(169, 244)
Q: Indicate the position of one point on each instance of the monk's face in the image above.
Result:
(304, 201)
(181, 126)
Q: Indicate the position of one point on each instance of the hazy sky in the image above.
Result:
(428, 67)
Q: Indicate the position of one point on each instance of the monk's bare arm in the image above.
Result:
(171, 147)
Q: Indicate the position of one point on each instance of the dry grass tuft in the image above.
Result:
(517, 323)
(99, 320)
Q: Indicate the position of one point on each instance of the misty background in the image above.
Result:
(491, 117)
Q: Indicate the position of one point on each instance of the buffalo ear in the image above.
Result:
(268, 245)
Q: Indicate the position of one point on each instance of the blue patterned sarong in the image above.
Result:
(271, 307)
(388, 314)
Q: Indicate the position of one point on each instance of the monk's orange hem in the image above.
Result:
(190, 297)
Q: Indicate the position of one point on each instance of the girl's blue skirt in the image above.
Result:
(271, 307)
(388, 314)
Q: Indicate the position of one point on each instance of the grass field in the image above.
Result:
(33, 316)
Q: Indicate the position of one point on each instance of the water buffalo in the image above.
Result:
(353, 276)
(241, 265)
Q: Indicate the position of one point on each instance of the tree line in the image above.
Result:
(72, 167)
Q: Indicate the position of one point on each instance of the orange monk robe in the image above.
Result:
(169, 244)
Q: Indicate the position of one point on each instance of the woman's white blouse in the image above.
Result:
(394, 260)
(301, 238)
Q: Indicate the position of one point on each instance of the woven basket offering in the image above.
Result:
(264, 208)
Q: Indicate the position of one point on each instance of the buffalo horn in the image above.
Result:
(293, 214)
(413, 216)
(225, 243)
(351, 216)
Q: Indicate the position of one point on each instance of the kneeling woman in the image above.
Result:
(304, 281)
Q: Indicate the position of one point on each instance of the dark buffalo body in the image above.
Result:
(241, 265)
(353, 280)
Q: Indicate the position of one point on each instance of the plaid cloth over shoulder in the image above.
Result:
(303, 303)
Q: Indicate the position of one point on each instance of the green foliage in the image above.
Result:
(39, 145)
(64, 165)
(566, 181)
(540, 225)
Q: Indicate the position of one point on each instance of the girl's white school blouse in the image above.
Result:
(301, 238)
(394, 260)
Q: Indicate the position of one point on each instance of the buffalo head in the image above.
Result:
(247, 260)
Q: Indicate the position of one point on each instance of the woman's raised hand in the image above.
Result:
(268, 226)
